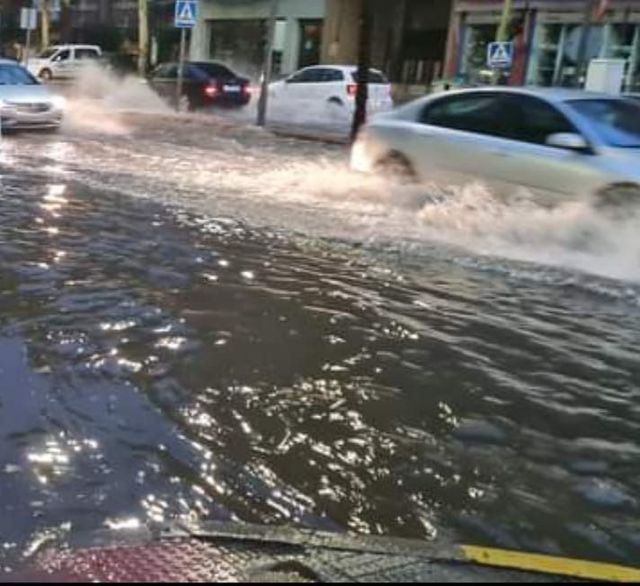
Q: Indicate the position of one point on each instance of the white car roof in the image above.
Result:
(343, 68)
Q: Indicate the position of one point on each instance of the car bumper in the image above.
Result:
(12, 119)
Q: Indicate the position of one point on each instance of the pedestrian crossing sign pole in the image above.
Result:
(186, 17)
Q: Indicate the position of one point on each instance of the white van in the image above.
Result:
(63, 61)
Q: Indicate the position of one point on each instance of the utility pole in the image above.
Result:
(267, 64)
(582, 58)
(143, 36)
(364, 61)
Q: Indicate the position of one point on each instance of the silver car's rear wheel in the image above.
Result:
(398, 167)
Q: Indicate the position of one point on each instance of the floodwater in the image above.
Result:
(202, 321)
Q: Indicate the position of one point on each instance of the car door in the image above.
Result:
(61, 63)
(524, 159)
(83, 57)
(455, 138)
(296, 97)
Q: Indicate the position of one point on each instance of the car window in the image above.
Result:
(216, 70)
(64, 55)
(331, 75)
(480, 113)
(534, 120)
(307, 76)
(617, 122)
(47, 53)
(83, 54)
(375, 77)
(15, 75)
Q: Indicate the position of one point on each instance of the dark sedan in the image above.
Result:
(205, 84)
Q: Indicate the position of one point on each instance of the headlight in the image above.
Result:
(59, 102)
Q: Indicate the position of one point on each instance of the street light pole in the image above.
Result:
(267, 64)
(364, 60)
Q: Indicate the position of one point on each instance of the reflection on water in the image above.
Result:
(158, 365)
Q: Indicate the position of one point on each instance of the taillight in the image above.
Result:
(352, 89)
(211, 90)
(246, 89)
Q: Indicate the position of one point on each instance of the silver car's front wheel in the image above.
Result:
(619, 200)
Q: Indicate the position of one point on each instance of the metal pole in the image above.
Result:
(267, 65)
(183, 37)
(502, 35)
(364, 59)
(27, 48)
(503, 30)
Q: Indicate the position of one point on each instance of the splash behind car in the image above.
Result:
(24, 102)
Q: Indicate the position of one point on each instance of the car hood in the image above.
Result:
(24, 93)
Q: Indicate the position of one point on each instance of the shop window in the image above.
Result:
(474, 65)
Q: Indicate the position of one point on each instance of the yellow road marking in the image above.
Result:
(550, 565)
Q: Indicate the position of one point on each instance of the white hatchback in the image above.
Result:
(324, 95)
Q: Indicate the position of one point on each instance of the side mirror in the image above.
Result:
(568, 141)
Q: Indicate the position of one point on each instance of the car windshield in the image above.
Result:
(47, 53)
(616, 122)
(15, 75)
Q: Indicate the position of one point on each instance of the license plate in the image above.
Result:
(232, 88)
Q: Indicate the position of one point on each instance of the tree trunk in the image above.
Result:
(143, 36)
(45, 24)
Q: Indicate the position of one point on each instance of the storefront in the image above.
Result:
(547, 36)
(235, 32)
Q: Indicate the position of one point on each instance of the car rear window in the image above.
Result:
(215, 70)
(15, 75)
(375, 77)
(616, 122)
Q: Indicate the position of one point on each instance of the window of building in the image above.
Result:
(474, 62)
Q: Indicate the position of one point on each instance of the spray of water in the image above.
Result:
(311, 190)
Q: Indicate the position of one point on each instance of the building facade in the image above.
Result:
(409, 37)
(235, 32)
(548, 35)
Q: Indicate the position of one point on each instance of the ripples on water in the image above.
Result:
(158, 364)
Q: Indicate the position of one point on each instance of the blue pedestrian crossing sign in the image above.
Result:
(500, 55)
(186, 13)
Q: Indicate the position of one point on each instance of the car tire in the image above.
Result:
(618, 200)
(45, 75)
(398, 167)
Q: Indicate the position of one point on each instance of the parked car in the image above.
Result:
(325, 95)
(63, 61)
(205, 84)
(24, 102)
(558, 143)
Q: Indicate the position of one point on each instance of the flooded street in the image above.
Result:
(203, 321)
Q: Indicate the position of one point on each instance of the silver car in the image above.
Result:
(556, 143)
(24, 102)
